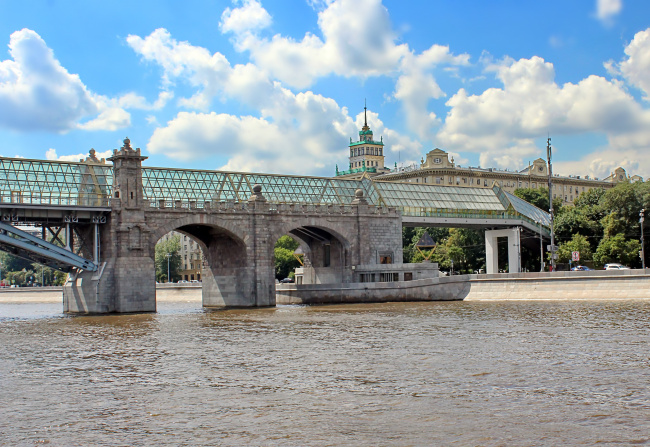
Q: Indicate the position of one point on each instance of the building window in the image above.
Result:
(437, 160)
(484, 182)
(388, 277)
(385, 258)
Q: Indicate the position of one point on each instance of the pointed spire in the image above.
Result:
(365, 115)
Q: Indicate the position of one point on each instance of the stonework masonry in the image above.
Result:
(237, 238)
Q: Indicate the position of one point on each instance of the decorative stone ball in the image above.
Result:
(358, 193)
(257, 189)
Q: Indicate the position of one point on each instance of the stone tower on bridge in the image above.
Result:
(237, 239)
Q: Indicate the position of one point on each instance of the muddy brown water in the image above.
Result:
(395, 374)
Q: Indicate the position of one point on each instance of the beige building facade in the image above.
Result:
(439, 169)
(191, 256)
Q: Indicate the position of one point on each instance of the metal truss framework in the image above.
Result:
(90, 184)
(28, 246)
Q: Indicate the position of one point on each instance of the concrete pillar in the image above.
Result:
(514, 251)
(492, 252)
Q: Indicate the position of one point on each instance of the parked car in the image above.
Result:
(287, 280)
(581, 268)
(615, 266)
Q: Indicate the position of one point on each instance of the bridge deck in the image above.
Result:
(49, 185)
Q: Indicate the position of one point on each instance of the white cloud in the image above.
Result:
(602, 163)
(36, 92)
(501, 123)
(250, 17)
(51, 154)
(416, 86)
(298, 133)
(636, 68)
(180, 60)
(134, 101)
(607, 9)
(110, 119)
(357, 41)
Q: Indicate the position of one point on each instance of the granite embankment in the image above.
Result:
(593, 285)
(164, 292)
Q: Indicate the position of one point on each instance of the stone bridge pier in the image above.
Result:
(237, 238)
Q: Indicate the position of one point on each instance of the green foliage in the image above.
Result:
(173, 246)
(535, 196)
(287, 242)
(411, 236)
(577, 243)
(466, 248)
(583, 221)
(608, 220)
(10, 263)
(618, 249)
(589, 198)
(285, 261)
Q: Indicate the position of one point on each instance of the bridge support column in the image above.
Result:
(492, 251)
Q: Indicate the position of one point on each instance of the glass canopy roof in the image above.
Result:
(46, 182)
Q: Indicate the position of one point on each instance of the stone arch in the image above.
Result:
(228, 275)
(198, 219)
(327, 251)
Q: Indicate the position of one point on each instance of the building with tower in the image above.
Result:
(366, 154)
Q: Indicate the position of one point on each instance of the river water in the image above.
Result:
(398, 374)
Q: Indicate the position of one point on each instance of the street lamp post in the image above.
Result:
(550, 201)
(169, 255)
(641, 219)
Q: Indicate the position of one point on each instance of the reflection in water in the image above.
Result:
(450, 373)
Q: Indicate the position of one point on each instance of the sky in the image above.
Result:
(279, 86)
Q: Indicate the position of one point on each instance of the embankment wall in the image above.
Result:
(594, 285)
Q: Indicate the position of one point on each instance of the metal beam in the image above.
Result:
(31, 247)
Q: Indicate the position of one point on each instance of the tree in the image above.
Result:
(411, 236)
(577, 243)
(618, 249)
(13, 263)
(173, 246)
(574, 220)
(285, 261)
(466, 248)
(535, 196)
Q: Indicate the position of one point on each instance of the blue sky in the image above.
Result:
(278, 86)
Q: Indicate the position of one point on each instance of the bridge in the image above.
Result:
(111, 216)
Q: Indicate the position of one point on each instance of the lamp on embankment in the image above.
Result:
(641, 219)
(169, 255)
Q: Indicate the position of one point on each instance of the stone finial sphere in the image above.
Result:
(257, 189)
(358, 193)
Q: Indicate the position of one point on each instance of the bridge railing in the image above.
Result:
(59, 183)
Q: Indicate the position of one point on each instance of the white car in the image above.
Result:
(615, 266)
